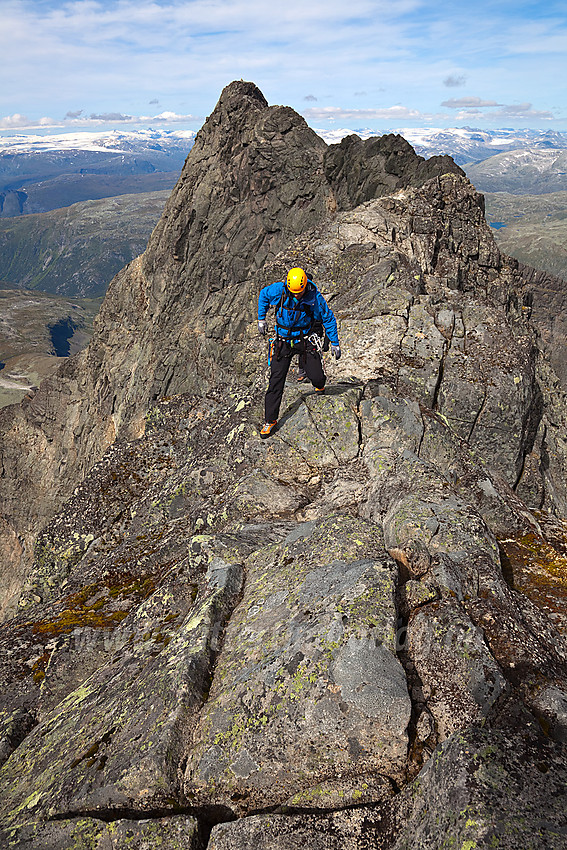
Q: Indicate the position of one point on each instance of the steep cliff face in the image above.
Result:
(345, 636)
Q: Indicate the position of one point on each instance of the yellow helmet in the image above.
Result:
(296, 281)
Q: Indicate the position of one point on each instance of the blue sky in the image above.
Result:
(342, 63)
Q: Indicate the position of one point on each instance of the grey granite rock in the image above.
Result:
(308, 691)
(487, 789)
(461, 680)
(355, 829)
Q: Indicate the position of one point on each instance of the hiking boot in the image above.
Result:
(267, 429)
(320, 390)
(301, 375)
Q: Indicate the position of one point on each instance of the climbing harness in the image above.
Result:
(290, 311)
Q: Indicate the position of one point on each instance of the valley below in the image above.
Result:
(532, 228)
(77, 250)
(37, 331)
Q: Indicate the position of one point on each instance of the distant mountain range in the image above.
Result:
(77, 240)
(465, 144)
(527, 171)
(154, 144)
(41, 173)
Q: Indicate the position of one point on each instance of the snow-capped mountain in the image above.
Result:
(464, 144)
(44, 172)
(523, 171)
(132, 141)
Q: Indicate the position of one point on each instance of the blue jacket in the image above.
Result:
(295, 316)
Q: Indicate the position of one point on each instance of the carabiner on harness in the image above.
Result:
(316, 341)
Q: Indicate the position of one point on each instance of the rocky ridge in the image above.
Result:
(350, 635)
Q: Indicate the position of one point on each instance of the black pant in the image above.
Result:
(281, 360)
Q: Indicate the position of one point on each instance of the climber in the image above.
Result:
(299, 305)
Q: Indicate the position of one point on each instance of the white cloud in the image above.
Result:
(77, 120)
(132, 47)
(524, 111)
(472, 108)
(519, 111)
(119, 119)
(468, 103)
(335, 113)
(115, 56)
(22, 122)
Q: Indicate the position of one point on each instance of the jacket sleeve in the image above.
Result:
(269, 297)
(328, 318)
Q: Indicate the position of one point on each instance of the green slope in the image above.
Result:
(77, 250)
(535, 228)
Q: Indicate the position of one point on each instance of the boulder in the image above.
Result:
(113, 744)
(354, 828)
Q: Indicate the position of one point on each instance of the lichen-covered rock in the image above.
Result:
(461, 680)
(324, 433)
(338, 647)
(308, 691)
(488, 789)
(168, 833)
(114, 743)
(500, 425)
(355, 829)
(481, 789)
(551, 707)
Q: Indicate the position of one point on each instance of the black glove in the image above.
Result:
(335, 351)
(262, 327)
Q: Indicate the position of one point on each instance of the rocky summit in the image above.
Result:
(352, 635)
